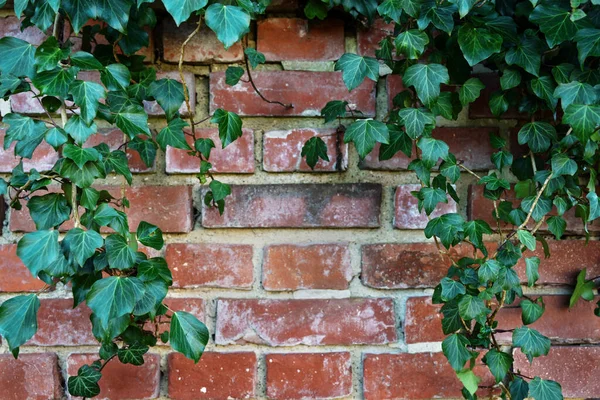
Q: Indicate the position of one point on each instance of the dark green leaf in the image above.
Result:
(48, 211)
(133, 354)
(583, 289)
(133, 120)
(188, 335)
(87, 96)
(38, 250)
(356, 68)
(365, 133)
(113, 297)
(527, 55)
(150, 235)
(478, 44)
(432, 150)
(169, 95)
(120, 254)
(334, 109)
(557, 226)
(220, 190)
(85, 383)
(470, 90)
(455, 350)
(17, 57)
(510, 78)
(540, 389)
(18, 319)
(79, 130)
(532, 343)
(532, 265)
(55, 82)
(411, 43)
(233, 75)
(531, 311)
(537, 135)
(230, 23)
(82, 244)
(499, 363)
(313, 149)
(230, 126)
(426, 78)
(415, 120)
(554, 22)
(182, 9)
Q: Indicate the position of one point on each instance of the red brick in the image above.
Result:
(168, 207)
(307, 91)
(309, 375)
(14, 276)
(210, 265)
(405, 265)
(193, 306)
(407, 215)
(415, 376)
(11, 26)
(32, 376)
(237, 158)
(123, 381)
(423, 321)
(43, 158)
(59, 324)
(298, 206)
(575, 368)
(282, 150)
(216, 376)
(319, 266)
(393, 86)
(309, 322)
(114, 139)
(368, 39)
(203, 48)
(470, 145)
(296, 39)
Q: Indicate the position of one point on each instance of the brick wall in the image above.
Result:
(313, 284)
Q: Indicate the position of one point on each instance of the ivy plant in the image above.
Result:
(546, 55)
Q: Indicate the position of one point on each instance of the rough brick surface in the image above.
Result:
(216, 376)
(237, 157)
(296, 39)
(307, 91)
(210, 265)
(319, 266)
(33, 376)
(14, 276)
(203, 48)
(288, 206)
(309, 322)
(282, 150)
(43, 158)
(407, 215)
(59, 324)
(308, 375)
(11, 26)
(469, 145)
(423, 321)
(414, 376)
(123, 381)
(368, 39)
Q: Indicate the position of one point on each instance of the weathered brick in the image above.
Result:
(203, 48)
(469, 145)
(11, 26)
(216, 376)
(368, 39)
(114, 139)
(297, 39)
(393, 86)
(14, 276)
(191, 305)
(309, 375)
(301, 206)
(123, 381)
(415, 376)
(309, 322)
(210, 265)
(319, 266)
(168, 207)
(43, 158)
(59, 324)
(237, 158)
(404, 265)
(34, 376)
(282, 150)
(575, 368)
(423, 321)
(307, 91)
(407, 215)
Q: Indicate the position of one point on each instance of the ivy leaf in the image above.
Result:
(153, 268)
(333, 110)
(498, 103)
(470, 91)
(85, 383)
(365, 133)
(455, 350)
(182, 9)
(583, 119)
(254, 57)
(563, 165)
(114, 12)
(415, 120)
(426, 78)
(38, 250)
(313, 149)
(537, 135)
(588, 43)
(430, 198)
(519, 389)
(133, 354)
(17, 57)
(498, 362)
(411, 43)
(575, 93)
(145, 148)
(447, 227)
(527, 55)
(356, 68)
(557, 226)
(172, 135)
(80, 155)
(432, 150)
(399, 141)
(48, 211)
(510, 78)
(150, 235)
(583, 289)
(188, 335)
(543, 207)
(169, 95)
(469, 380)
(48, 55)
(230, 23)
(116, 77)
(532, 265)
(86, 61)
(27, 132)
(120, 254)
(531, 311)
(391, 9)
(475, 231)
(526, 238)
(18, 320)
(489, 271)
(79, 130)
(478, 44)
(55, 82)
(544, 88)
(440, 15)
(133, 120)
(471, 307)
(87, 96)
(112, 297)
(451, 289)
(532, 343)
(230, 126)
(220, 190)
(554, 22)
(541, 389)
(233, 75)
(82, 244)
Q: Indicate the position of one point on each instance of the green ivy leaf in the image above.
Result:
(27, 132)
(554, 22)
(110, 298)
(470, 91)
(478, 44)
(233, 75)
(17, 57)
(532, 343)
(411, 43)
(471, 307)
(526, 238)
(220, 190)
(82, 244)
(80, 155)
(541, 389)
(451, 289)
(415, 120)
(254, 57)
(172, 135)
(116, 77)
(489, 271)
(48, 55)
(575, 93)
(133, 354)
(563, 165)
(519, 389)
(48, 211)
(531, 311)
(544, 88)
(230, 126)
(18, 320)
(464, 6)
(430, 198)
(532, 265)
(537, 135)
(583, 289)
(498, 362)
(133, 120)
(188, 335)
(230, 23)
(365, 133)
(583, 119)
(114, 12)
(150, 235)
(87, 96)
(313, 149)
(510, 78)
(527, 55)
(182, 9)
(356, 68)
(498, 103)
(38, 250)
(153, 268)
(333, 110)
(145, 148)
(455, 350)
(441, 15)
(399, 141)
(475, 231)
(469, 380)
(432, 150)
(447, 227)
(86, 61)
(82, 177)
(426, 78)
(588, 43)
(557, 226)
(168, 94)
(391, 9)
(85, 383)
(120, 254)
(55, 82)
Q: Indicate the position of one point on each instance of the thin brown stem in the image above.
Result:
(287, 106)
